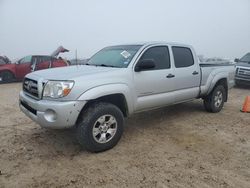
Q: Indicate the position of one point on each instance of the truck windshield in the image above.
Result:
(114, 56)
(245, 58)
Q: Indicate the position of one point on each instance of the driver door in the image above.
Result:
(154, 86)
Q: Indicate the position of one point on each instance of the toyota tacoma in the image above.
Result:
(117, 82)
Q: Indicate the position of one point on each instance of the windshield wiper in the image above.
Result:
(103, 65)
(89, 64)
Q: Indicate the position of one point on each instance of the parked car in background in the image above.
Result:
(78, 61)
(17, 70)
(4, 60)
(117, 82)
(242, 76)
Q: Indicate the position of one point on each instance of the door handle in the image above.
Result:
(170, 76)
(195, 73)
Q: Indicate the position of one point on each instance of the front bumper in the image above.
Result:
(51, 114)
(241, 81)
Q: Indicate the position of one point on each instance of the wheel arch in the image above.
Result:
(10, 71)
(221, 81)
(116, 94)
(7, 70)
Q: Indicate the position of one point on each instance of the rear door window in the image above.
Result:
(183, 57)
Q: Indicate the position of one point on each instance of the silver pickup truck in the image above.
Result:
(117, 82)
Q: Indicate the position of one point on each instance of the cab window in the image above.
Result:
(183, 57)
(160, 55)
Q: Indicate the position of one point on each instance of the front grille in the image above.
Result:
(31, 87)
(243, 73)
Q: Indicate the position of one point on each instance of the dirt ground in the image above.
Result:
(178, 146)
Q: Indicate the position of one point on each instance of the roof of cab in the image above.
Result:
(156, 43)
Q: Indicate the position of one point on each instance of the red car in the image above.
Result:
(17, 71)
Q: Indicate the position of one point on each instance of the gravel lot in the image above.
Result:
(177, 146)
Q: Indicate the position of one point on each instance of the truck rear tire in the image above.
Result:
(215, 100)
(6, 76)
(100, 127)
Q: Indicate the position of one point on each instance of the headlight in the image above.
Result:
(57, 89)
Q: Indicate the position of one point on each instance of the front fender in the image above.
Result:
(108, 89)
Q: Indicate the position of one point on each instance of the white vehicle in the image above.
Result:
(117, 82)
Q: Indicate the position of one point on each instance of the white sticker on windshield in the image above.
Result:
(125, 54)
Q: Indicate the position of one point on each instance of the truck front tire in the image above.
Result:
(100, 127)
(215, 100)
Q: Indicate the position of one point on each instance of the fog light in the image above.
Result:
(50, 115)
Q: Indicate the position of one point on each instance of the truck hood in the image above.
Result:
(69, 73)
(243, 64)
(84, 76)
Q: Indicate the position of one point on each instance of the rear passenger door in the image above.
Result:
(152, 87)
(187, 74)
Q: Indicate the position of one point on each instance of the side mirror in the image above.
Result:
(236, 60)
(145, 64)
